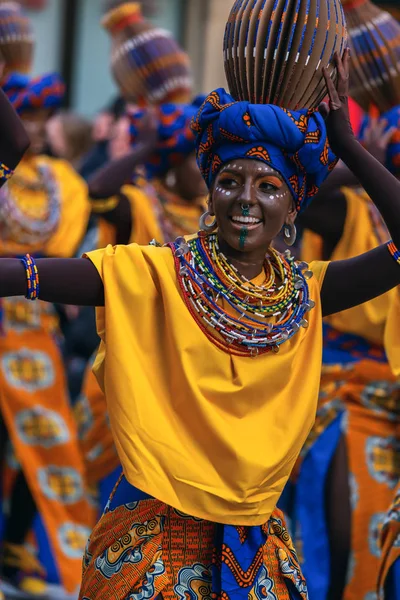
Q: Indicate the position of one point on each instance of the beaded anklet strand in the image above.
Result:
(32, 277)
(394, 251)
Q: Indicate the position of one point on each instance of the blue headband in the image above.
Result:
(293, 143)
(25, 93)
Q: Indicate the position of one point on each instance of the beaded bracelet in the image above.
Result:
(5, 172)
(32, 277)
(393, 251)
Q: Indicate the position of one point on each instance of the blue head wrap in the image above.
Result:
(293, 143)
(176, 139)
(25, 93)
(393, 151)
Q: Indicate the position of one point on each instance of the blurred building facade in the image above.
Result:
(71, 40)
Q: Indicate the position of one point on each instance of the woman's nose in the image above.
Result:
(247, 196)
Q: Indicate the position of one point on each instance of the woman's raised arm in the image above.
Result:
(63, 281)
(351, 282)
(14, 140)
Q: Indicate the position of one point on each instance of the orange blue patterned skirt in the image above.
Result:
(141, 548)
(359, 401)
(389, 574)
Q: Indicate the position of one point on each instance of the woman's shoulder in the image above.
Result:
(133, 260)
(318, 269)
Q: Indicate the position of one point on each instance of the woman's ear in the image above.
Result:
(210, 204)
(292, 214)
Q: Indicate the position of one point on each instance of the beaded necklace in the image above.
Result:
(21, 227)
(259, 319)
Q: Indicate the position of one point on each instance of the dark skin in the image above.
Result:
(266, 199)
(326, 215)
(35, 126)
(189, 184)
(347, 283)
(14, 141)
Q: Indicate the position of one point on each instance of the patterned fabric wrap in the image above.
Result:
(390, 545)
(175, 139)
(24, 93)
(142, 548)
(359, 400)
(34, 406)
(293, 143)
(393, 150)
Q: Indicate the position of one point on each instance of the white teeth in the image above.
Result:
(246, 220)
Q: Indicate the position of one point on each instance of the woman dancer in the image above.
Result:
(197, 329)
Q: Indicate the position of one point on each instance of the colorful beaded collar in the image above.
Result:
(239, 317)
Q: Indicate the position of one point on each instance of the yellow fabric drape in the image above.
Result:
(363, 231)
(75, 208)
(211, 434)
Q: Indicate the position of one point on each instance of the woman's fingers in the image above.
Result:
(332, 91)
(387, 136)
(324, 110)
(343, 73)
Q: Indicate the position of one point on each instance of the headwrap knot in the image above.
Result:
(293, 143)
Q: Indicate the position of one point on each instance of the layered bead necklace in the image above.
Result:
(258, 319)
(19, 225)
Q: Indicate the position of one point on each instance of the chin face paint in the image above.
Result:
(244, 231)
(243, 236)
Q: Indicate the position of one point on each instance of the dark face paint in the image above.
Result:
(244, 232)
(251, 202)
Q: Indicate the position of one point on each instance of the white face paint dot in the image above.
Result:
(228, 193)
(271, 197)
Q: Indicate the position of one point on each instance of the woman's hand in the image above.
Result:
(376, 139)
(336, 113)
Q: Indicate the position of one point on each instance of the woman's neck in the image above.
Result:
(249, 264)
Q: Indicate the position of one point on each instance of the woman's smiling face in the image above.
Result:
(251, 203)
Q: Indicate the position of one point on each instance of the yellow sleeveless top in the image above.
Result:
(364, 230)
(210, 434)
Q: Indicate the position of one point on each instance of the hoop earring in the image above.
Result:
(289, 234)
(208, 228)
